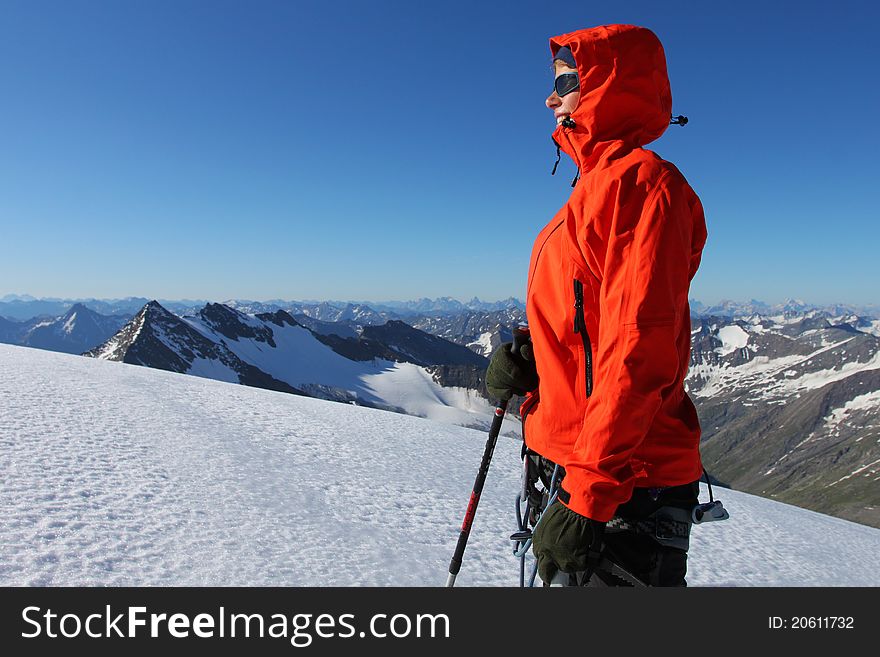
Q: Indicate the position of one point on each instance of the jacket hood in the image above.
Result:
(624, 87)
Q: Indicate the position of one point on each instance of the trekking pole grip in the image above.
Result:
(520, 337)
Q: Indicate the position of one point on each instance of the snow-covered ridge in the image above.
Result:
(275, 351)
(779, 376)
(121, 475)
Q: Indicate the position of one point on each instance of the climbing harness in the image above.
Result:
(669, 525)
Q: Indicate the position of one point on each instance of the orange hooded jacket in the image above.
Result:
(607, 299)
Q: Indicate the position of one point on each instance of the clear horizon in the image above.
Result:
(185, 299)
(183, 148)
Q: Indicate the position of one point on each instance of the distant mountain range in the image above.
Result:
(77, 330)
(22, 307)
(788, 308)
(788, 395)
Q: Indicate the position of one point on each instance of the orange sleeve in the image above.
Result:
(642, 303)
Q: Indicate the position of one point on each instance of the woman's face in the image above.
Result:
(564, 106)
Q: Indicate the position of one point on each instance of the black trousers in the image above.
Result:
(646, 557)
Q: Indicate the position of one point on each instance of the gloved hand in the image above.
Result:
(563, 541)
(511, 373)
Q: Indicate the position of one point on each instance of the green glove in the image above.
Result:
(511, 373)
(563, 541)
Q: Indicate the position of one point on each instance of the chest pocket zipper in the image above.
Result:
(580, 326)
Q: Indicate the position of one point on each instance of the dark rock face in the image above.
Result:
(399, 342)
(415, 346)
(460, 376)
(278, 318)
(359, 349)
(233, 324)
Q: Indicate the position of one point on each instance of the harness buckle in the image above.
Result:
(659, 529)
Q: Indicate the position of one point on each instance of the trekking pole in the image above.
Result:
(520, 337)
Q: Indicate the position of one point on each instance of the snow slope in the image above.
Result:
(113, 474)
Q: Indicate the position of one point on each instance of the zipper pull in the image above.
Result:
(578, 305)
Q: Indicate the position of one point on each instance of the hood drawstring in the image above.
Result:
(558, 157)
(577, 176)
(567, 122)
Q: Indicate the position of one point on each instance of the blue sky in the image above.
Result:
(394, 150)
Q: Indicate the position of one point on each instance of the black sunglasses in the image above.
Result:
(565, 83)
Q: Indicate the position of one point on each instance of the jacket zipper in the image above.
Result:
(580, 326)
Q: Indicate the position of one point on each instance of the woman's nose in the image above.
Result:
(553, 100)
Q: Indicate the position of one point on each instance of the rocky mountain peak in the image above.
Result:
(155, 309)
(234, 324)
(78, 307)
(279, 318)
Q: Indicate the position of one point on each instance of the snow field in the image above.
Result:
(112, 474)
